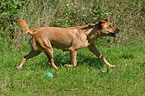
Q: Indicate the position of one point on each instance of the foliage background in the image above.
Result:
(128, 16)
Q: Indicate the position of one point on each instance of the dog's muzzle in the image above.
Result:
(114, 33)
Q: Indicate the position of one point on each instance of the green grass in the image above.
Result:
(90, 77)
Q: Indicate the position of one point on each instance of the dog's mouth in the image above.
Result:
(114, 33)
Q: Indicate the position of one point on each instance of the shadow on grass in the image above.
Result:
(91, 61)
(127, 56)
(62, 59)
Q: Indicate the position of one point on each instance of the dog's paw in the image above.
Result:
(112, 65)
(18, 67)
(71, 65)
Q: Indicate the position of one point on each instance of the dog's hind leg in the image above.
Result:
(33, 53)
(49, 54)
(94, 50)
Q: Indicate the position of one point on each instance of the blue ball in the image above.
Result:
(49, 75)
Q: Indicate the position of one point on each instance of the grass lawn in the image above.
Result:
(91, 77)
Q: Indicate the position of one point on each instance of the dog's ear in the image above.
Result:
(101, 22)
(106, 19)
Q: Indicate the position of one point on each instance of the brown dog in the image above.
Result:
(68, 39)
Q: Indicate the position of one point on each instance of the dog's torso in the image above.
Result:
(71, 39)
(61, 38)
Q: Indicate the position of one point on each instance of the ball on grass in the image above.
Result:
(49, 75)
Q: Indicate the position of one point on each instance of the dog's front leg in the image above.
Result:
(94, 50)
(73, 55)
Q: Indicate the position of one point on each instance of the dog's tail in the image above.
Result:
(25, 27)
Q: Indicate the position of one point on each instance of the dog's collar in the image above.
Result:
(97, 33)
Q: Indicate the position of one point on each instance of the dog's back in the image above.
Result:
(61, 38)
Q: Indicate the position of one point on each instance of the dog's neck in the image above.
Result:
(92, 32)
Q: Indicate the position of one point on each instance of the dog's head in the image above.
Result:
(106, 28)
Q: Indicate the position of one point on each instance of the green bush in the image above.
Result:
(8, 13)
